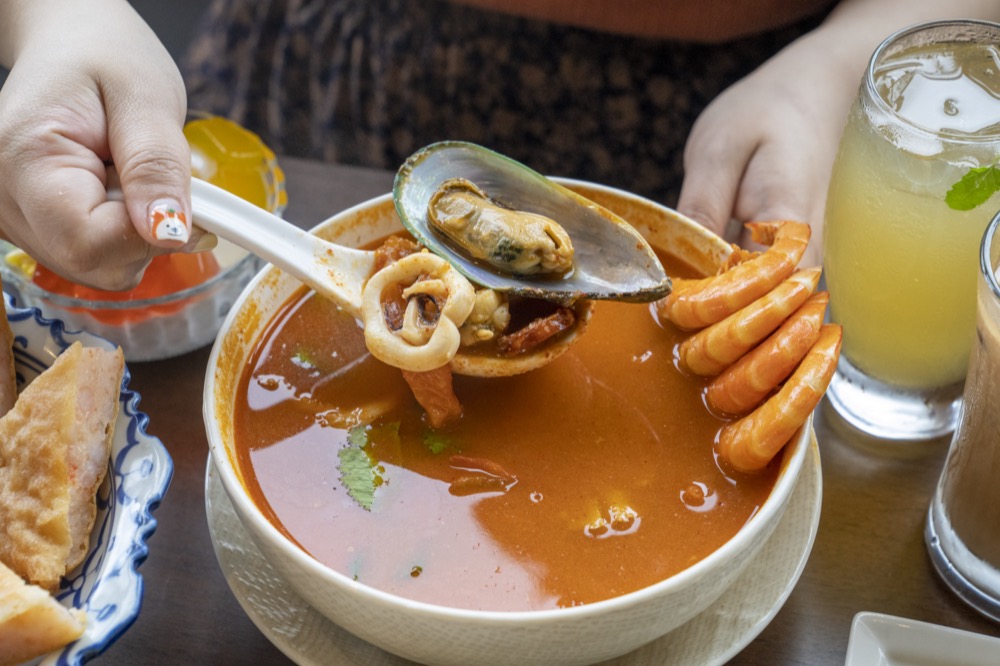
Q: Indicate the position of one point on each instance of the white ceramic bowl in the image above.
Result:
(434, 634)
(107, 585)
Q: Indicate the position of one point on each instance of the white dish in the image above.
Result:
(884, 640)
(713, 637)
(107, 585)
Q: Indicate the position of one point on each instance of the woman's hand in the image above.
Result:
(764, 149)
(93, 103)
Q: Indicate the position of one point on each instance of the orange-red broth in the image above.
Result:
(616, 488)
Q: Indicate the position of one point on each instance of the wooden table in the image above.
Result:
(869, 553)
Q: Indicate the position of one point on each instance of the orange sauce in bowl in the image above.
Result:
(166, 274)
(587, 479)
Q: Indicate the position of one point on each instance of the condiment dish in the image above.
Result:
(147, 329)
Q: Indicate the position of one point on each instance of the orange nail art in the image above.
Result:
(168, 221)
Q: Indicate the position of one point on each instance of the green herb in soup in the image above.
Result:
(360, 473)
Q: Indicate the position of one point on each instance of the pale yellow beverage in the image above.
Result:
(900, 263)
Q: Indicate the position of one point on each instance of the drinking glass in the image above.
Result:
(899, 251)
(963, 524)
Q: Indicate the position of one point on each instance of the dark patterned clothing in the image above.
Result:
(368, 82)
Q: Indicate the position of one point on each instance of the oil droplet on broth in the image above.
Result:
(699, 497)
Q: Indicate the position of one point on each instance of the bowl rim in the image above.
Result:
(768, 513)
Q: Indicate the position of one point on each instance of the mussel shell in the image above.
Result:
(612, 260)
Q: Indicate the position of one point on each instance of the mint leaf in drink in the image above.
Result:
(974, 188)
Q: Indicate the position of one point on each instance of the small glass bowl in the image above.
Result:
(147, 329)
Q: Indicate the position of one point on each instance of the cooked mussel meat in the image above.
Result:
(511, 241)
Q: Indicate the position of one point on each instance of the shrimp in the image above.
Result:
(700, 302)
(742, 386)
(749, 443)
(711, 350)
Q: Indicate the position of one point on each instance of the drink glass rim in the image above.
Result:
(884, 106)
(985, 262)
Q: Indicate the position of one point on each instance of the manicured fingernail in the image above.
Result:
(168, 221)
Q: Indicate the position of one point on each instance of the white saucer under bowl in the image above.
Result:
(713, 637)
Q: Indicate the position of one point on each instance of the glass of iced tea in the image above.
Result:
(963, 525)
(911, 193)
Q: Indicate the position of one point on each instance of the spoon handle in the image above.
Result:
(333, 271)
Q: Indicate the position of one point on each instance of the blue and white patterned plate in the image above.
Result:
(107, 585)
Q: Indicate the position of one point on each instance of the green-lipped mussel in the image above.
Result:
(512, 241)
(611, 260)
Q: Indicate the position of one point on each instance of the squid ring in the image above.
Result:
(416, 329)
(396, 348)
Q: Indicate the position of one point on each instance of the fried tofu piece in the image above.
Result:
(32, 623)
(54, 450)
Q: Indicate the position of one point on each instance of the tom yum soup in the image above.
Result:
(591, 477)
